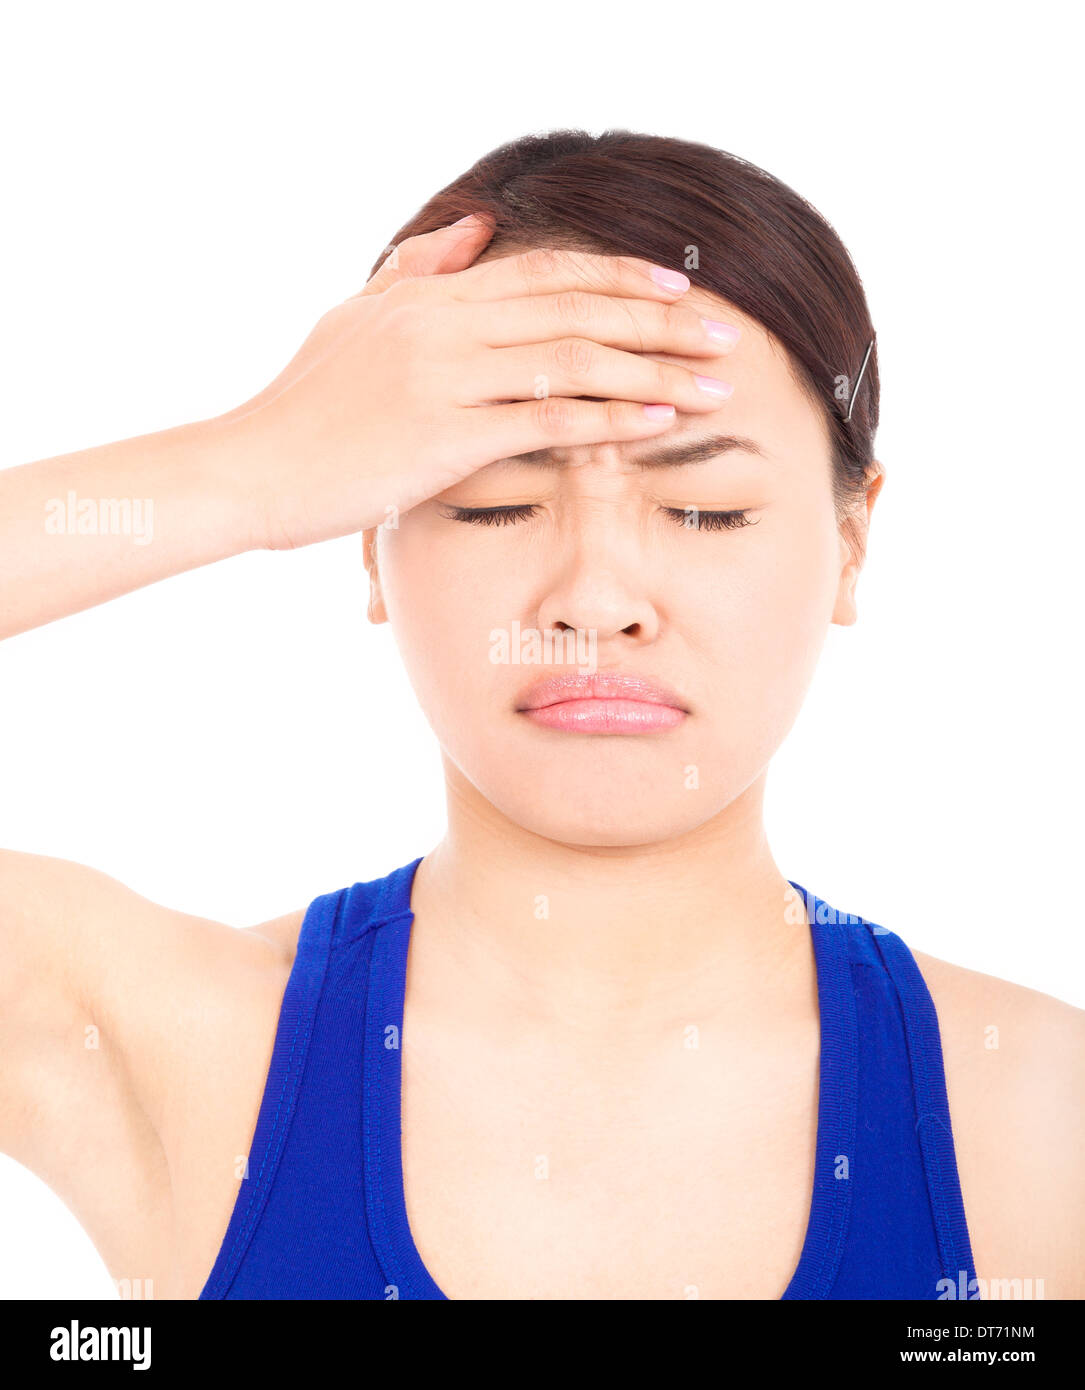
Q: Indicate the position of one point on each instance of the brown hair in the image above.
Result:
(736, 231)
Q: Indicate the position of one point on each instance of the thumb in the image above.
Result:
(441, 252)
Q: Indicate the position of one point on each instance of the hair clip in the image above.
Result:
(859, 379)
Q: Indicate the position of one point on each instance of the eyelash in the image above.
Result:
(493, 516)
(508, 516)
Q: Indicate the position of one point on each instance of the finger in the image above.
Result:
(441, 252)
(580, 367)
(636, 325)
(523, 427)
(548, 270)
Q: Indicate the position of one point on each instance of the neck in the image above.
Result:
(601, 939)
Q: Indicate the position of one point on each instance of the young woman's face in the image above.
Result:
(731, 621)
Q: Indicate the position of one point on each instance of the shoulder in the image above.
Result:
(281, 934)
(1014, 1060)
(96, 934)
(140, 1035)
(161, 989)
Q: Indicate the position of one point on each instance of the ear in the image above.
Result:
(375, 611)
(853, 548)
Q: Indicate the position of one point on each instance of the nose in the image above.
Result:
(598, 596)
(599, 575)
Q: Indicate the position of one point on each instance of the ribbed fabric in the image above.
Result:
(321, 1212)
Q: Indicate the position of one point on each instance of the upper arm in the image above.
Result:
(112, 1010)
(1015, 1080)
(82, 952)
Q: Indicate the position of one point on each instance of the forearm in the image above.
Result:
(82, 528)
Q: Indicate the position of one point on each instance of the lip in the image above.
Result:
(602, 703)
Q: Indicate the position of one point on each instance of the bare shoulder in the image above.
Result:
(140, 1034)
(1015, 1080)
(281, 933)
(150, 980)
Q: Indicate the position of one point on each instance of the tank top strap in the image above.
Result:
(933, 1123)
(370, 905)
(298, 1228)
(887, 1217)
(297, 1017)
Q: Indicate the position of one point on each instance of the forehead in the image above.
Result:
(769, 402)
(757, 350)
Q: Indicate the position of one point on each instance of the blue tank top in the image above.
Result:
(320, 1213)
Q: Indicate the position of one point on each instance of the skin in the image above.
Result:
(734, 621)
(669, 1169)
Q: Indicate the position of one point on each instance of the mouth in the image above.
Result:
(602, 703)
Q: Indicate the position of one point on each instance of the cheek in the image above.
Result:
(769, 581)
(443, 602)
(756, 617)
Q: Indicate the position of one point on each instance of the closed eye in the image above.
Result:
(690, 518)
(693, 519)
(492, 516)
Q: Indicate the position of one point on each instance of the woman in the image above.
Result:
(610, 510)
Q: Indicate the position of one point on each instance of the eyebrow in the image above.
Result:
(665, 456)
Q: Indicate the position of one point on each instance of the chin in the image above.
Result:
(615, 807)
(621, 827)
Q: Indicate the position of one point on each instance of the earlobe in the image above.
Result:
(375, 610)
(844, 610)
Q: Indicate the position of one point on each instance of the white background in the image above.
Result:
(187, 187)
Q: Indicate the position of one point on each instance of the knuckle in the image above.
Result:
(553, 414)
(402, 324)
(409, 289)
(575, 306)
(678, 319)
(687, 322)
(618, 417)
(406, 318)
(574, 356)
(669, 379)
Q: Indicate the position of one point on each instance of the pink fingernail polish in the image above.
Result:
(714, 387)
(659, 412)
(670, 279)
(722, 332)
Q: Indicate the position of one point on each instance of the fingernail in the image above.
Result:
(659, 412)
(714, 387)
(721, 332)
(670, 279)
(469, 218)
